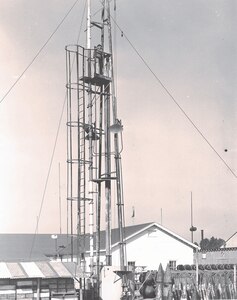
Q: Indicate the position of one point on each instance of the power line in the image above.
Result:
(38, 53)
(48, 174)
(174, 100)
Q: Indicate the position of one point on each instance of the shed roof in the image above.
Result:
(30, 247)
(43, 269)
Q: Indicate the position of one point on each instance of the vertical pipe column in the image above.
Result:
(38, 288)
(98, 207)
(79, 166)
(107, 175)
(69, 149)
(91, 204)
(196, 268)
(91, 190)
(83, 170)
(88, 27)
(59, 199)
(191, 217)
(235, 278)
(120, 205)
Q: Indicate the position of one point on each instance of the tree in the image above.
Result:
(212, 243)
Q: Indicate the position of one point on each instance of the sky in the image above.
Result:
(191, 47)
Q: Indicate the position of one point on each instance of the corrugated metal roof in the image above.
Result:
(61, 270)
(46, 269)
(73, 268)
(16, 270)
(32, 269)
(36, 270)
(4, 272)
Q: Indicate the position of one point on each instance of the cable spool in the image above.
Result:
(227, 266)
(220, 267)
(180, 267)
(214, 267)
(187, 267)
(193, 267)
(207, 267)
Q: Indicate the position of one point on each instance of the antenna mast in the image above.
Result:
(59, 199)
(192, 228)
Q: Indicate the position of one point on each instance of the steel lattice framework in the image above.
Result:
(94, 145)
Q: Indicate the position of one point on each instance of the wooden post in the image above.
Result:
(38, 288)
(196, 268)
(235, 279)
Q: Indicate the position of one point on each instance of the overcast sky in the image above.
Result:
(191, 47)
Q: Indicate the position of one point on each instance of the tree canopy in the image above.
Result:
(212, 243)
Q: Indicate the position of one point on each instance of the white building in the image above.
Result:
(151, 244)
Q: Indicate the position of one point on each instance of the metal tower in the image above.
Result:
(94, 145)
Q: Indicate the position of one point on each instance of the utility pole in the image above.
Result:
(59, 199)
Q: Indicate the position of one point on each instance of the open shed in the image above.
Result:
(37, 280)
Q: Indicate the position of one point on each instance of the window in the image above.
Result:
(172, 264)
(131, 265)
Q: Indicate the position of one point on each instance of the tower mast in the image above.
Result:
(192, 228)
(116, 128)
(94, 145)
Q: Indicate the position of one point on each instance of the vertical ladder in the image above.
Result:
(82, 177)
(81, 211)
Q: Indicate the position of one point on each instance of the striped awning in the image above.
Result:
(43, 269)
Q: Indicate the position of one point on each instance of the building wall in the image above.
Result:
(221, 256)
(27, 288)
(152, 247)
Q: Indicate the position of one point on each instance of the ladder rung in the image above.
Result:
(104, 179)
(72, 198)
(86, 199)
